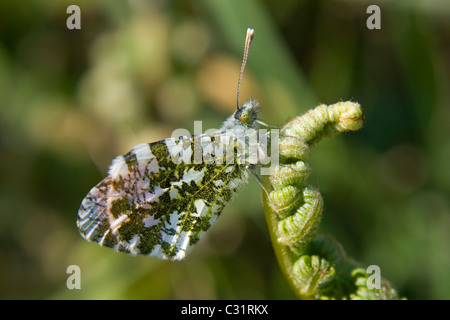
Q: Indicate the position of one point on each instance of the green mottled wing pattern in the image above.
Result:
(154, 204)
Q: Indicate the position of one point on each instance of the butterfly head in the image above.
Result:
(248, 113)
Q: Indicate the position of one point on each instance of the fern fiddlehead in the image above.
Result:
(315, 265)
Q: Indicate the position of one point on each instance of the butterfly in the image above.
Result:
(159, 199)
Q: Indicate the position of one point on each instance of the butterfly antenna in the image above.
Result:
(248, 41)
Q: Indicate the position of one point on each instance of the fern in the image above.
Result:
(315, 265)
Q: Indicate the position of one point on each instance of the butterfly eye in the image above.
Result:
(245, 117)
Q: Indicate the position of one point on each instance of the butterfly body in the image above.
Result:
(160, 198)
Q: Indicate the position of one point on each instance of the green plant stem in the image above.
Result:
(315, 265)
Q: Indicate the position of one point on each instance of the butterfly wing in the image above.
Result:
(157, 201)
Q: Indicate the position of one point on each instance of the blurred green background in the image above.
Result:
(72, 100)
